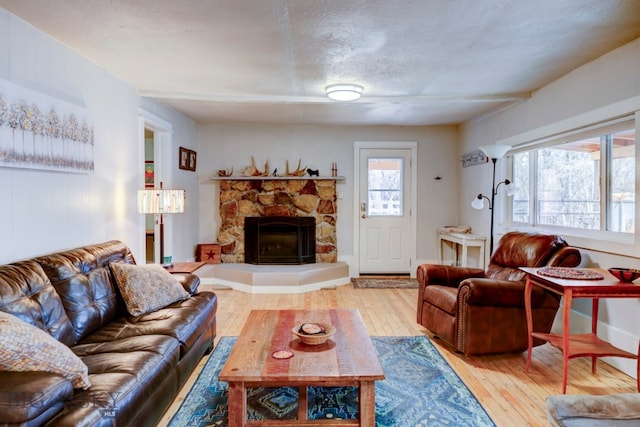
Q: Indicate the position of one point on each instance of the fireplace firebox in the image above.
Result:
(279, 240)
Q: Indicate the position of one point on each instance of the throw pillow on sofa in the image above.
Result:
(26, 348)
(146, 288)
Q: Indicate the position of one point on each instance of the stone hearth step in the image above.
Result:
(267, 279)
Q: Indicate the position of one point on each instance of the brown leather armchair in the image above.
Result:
(482, 312)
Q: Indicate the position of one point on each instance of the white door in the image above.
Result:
(385, 223)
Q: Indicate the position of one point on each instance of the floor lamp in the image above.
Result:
(494, 152)
(161, 201)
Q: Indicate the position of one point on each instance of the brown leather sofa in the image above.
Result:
(482, 312)
(136, 365)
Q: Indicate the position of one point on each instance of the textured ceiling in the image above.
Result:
(421, 62)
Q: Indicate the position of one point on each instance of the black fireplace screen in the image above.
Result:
(279, 240)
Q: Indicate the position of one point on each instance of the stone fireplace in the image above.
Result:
(266, 197)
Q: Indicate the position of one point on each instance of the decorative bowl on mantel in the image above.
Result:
(626, 275)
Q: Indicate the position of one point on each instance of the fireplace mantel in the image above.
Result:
(276, 178)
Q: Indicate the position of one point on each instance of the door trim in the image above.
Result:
(162, 137)
(363, 145)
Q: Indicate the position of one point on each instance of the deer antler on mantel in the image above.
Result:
(254, 171)
(298, 172)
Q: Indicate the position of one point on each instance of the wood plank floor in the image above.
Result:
(510, 396)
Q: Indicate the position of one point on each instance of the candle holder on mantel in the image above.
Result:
(334, 169)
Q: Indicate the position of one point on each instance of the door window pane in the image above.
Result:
(384, 182)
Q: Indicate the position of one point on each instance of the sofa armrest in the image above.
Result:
(497, 293)
(445, 275)
(189, 282)
(31, 397)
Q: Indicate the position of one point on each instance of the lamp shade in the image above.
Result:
(510, 188)
(344, 92)
(160, 201)
(496, 151)
(478, 202)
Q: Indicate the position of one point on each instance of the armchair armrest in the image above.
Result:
(566, 257)
(445, 275)
(497, 293)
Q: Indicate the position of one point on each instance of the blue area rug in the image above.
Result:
(420, 389)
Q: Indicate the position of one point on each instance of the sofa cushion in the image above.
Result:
(32, 398)
(125, 372)
(146, 288)
(28, 294)
(443, 297)
(186, 321)
(25, 348)
(83, 280)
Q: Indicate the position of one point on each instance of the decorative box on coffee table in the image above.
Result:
(209, 253)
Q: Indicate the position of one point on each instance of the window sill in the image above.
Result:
(622, 244)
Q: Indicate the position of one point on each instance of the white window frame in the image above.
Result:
(598, 240)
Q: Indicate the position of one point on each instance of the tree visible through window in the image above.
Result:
(568, 183)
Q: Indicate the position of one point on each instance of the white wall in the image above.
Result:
(227, 146)
(600, 90)
(44, 211)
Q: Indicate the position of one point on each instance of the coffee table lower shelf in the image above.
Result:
(238, 398)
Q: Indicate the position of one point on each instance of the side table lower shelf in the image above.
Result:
(584, 345)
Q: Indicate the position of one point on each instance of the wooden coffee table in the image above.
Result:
(346, 359)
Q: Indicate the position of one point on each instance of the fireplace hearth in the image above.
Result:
(279, 240)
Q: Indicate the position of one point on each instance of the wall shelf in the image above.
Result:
(275, 178)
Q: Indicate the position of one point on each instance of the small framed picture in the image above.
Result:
(183, 159)
(192, 160)
(149, 178)
(187, 159)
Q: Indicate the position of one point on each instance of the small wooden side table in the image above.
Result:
(578, 345)
(184, 267)
(464, 241)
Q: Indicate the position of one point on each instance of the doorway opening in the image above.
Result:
(155, 136)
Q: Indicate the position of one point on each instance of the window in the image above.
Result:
(586, 181)
(385, 187)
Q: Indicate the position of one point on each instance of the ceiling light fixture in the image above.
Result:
(344, 91)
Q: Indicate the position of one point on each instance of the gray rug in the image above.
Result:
(382, 283)
(420, 389)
